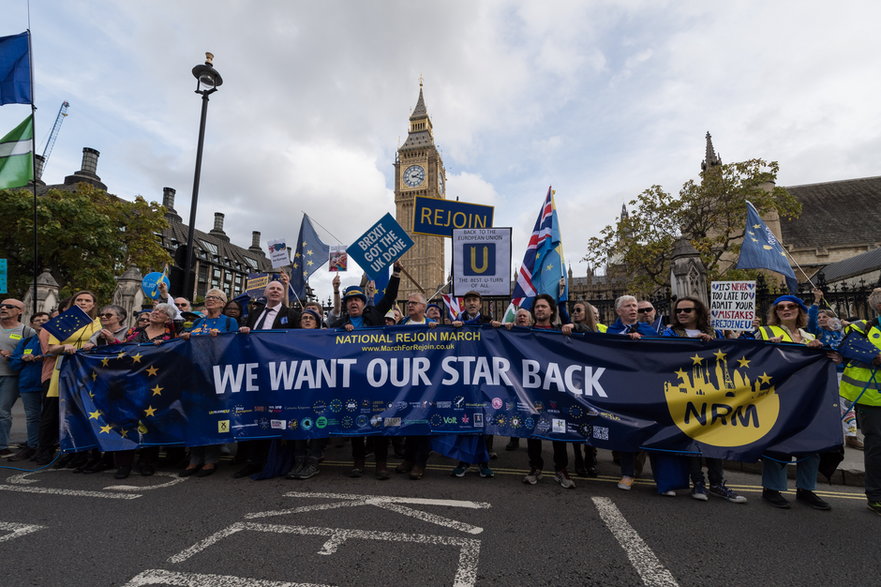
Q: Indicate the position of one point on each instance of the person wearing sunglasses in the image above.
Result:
(648, 315)
(691, 319)
(113, 329)
(787, 319)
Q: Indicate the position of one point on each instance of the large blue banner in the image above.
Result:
(726, 399)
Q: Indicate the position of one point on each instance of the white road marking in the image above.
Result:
(175, 479)
(387, 502)
(17, 530)
(69, 492)
(650, 569)
(177, 579)
(469, 548)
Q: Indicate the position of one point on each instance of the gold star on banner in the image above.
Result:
(105, 361)
(719, 355)
(757, 225)
(681, 373)
(549, 267)
(91, 395)
(94, 415)
(157, 390)
(743, 362)
(305, 274)
(296, 255)
(767, 247)
(309, 252)
(309, 263)
(751, 233)
(150, 411)
(123, 433)
(296, 265)
(755, 240)
(696, 360)
(137, 358)
(106, 429)
(765, 378)
(305, 244)
(120, 355)
(94, 376)
(152, 371)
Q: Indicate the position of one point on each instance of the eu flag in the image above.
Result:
(310, 254)
(15, 70)
(68, 322)
(762, 250)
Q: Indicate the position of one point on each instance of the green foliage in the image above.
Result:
(711, 214)
(85, 237)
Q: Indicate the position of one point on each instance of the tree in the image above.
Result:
(85, 237)
(711, 214)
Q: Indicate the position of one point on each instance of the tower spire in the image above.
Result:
(711, 158)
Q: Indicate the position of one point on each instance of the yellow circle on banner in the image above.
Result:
(720, 406)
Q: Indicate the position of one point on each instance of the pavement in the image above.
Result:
(851, 471)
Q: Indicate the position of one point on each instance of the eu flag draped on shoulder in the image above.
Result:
(309, 254)
(15, 70)
(543, 268)
(762, 250)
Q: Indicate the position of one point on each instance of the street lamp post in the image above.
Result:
(207, 82)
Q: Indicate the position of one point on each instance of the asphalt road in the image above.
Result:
(61, 528)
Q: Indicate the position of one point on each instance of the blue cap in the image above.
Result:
(353, 291)
(793, 299)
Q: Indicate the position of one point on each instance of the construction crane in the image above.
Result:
(47, 150)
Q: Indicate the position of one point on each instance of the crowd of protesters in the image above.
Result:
(30, 358)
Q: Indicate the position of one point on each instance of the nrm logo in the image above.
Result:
(722, 405)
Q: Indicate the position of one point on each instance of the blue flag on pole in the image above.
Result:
(543, 270)
(762, 250)
(309, 254)
(15, 70)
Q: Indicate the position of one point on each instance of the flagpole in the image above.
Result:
(33, 160)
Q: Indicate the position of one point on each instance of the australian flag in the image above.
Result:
(762, 250)
(543, 270)
(15, 70)
(309, 254)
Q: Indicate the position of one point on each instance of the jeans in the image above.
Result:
(33, 405)
(774, 473)
(8, 395)
(870, 423)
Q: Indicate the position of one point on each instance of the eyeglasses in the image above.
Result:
(412, 302)
(108, 315)
(577, 311)
(684, 310)
(143, 318)
(10, 306)
(215, 298)
(787, 306)
(645, 310)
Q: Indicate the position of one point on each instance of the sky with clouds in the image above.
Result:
(600, 99)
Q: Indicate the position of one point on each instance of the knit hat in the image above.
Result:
(793, 299)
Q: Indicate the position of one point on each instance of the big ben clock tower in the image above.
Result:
(419, 171)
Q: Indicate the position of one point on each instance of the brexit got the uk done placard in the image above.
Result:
(728, 399)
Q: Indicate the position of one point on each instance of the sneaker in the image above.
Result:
(626, 483)
(532, 477)
(875, 506)
(357, 470)
(122, 472)
(775, 498)
(728, 494)
(562, 477)
(460, 470)
(6, 452)
(670, 493)
(416, 472)
(307, 471)
(812, 499)
(699, 492)
(381, 473)
(404, 467)
(23, 454)
(485, 471)
(854, 442)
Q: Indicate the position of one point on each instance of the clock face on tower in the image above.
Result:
(414, 175)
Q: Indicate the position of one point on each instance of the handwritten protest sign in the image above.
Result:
(733, 304)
